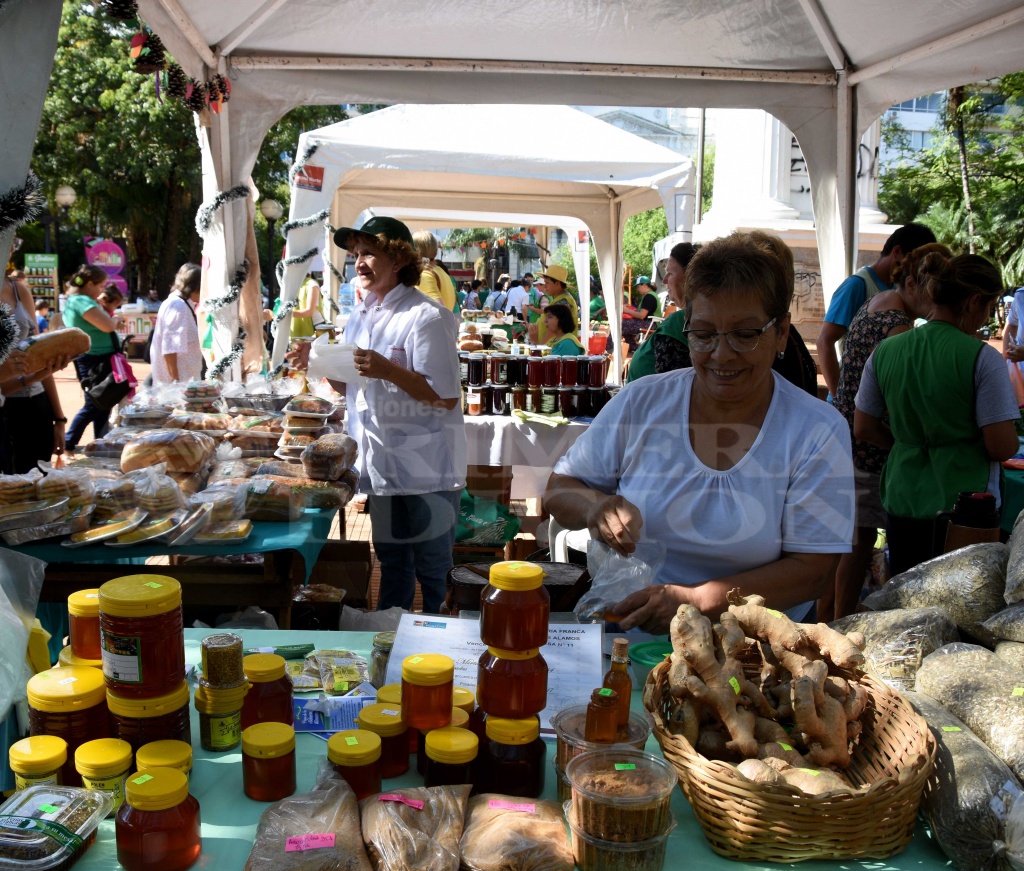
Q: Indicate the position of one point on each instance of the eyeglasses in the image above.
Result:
(742, 340)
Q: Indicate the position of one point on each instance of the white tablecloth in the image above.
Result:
(531, 449)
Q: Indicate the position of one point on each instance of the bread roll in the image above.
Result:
(470, 345)
(44, 349)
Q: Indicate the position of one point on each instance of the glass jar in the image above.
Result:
(268, 761)
(552, 370)
(139, 721)
(427, 690)
(500, 399)
(220, 717)
(222, 661)
(476, 376)
(460, 720)
(549, 400)
(382, 644)
(269, 699)
(597, 399)
(451, 756)
(533, 395)
(517, 370)
(583, 406)
(68, 703)
(515, 607)
(158, 826)
(84, 623)
(37, 760)
(391, 695)
(512, 683)
(570, 370)
(582, 370)
(568, 403)
(512, 757)
(602, 717)
(499, 368)
(475, 401)
(464, 367)
(535, 372)
(165, 754)
(386, 722)
(517, 396)
(104, 765)
(598, 372)
(141, 635)
(355, 755)
(67, 657)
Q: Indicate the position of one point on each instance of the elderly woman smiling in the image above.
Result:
(745, 479)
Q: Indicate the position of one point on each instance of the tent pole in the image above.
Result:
(846, 170)
(698, 205)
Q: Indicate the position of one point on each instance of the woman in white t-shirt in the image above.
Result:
(745, 479)
(175, 351)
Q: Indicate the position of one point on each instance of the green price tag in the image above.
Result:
(153, 585)
(951, 729)
(735, 684)
(625, 766)
(810, 771)
(605, 692)
(48, 808)
(143, 778)
(416, 660)
(1017, 691)
(774, 613)
(351, 741)
(785, 747)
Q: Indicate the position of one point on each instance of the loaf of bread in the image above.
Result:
(469, 345)
(317, 494)
(282, 469)
(272, 500)
(329, 456)
(44, 349)
(181, 450)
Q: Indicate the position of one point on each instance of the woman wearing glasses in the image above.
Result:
(745, 479)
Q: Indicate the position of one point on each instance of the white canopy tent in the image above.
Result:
(571, 170)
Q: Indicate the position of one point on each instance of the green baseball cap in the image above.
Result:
(643, 279)
(379, 225)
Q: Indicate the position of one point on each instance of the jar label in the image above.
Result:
(22, 781)
(153, 585)
(351, 742)
(113, 786)
(226, 732)
(394, 796)
(64, 837)
(122, 657)
(625, 766)
(512, 806)
(312, 841)
(391, 713)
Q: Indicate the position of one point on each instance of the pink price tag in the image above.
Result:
(394, 796)
(309, 842)
(497, 804)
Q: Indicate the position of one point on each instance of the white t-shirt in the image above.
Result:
(793, 490)
(1015, 319)
(406, 447)
(176, 332)
(517, 298)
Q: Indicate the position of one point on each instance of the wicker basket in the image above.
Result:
(777, 823)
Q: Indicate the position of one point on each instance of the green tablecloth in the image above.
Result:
(229, 818)
(1013, 497)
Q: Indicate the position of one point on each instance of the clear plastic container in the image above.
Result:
(140, 721)
(268, 761)
(621, 794)
(512, 683)
(104, 765)
(141, 635)
(68, 703)
(427, 690)
(220, 717)
(222, 661)
(158, 826)
(165, 754)
(355, 755)
(37, 760)
(515, 607)
(382, 644)
(512, 758)
(269, 699)
(451, 757)
(84, 623)
(570, 728)
(386, 722)
(596, 854)
(78, 811)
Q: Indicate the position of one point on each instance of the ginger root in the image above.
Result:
(822, 723)
(764, 623)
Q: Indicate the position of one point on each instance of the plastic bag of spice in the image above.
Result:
(514, 834)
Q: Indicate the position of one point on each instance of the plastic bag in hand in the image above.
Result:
(616, 576)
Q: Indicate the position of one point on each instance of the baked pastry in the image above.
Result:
(46, 348)
(252, 445)
(329, 456)
(113, 496)
(317, 494)
(307, 403)
(296, 440)
(199, 421)
(181, 450)
(258, 423)
(16, 489)
(202, 390)
(225, 501)
(469, 345)
(271, 500)
(76, 486)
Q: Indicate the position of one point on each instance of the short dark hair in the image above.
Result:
(476, 284)
(563, 314)
(908, 237)
(737, 264)
(41, 304)
(528, 275)
(683, 253)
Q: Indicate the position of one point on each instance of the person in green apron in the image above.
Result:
(561, 331)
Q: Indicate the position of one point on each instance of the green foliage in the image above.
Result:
(563, 256)
(638, 238)
(708, 178)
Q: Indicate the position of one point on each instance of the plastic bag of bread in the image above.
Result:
(329, 456)
(224, 498)
(48, 347)
(225, 470)
(271, 500)
(308, 404)
(77, 485)
(504, 833)
(254, 446)
(17, 489)
(181, 450)
(155, 492)
(189, 482)
(317, 494)
(415, 829)
(112, 497)
(313, 831)
(113, 443)
(281, 468)
(199, 421)
(268, 423)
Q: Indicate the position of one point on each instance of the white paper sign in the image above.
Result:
(573, 653)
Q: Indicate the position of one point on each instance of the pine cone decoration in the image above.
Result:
(122, 10)
(195, 95)
(177, 81)
(223, 87)
(152, 58)
(213, 93)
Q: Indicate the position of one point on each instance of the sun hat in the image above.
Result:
(379, 225)
(643, 279)
(557, 273)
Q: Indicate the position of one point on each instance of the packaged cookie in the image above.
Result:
(16, 489)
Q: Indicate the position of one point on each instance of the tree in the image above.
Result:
(638, 238)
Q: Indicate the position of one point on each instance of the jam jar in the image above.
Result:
(269, 699)
(158, 826)
(515, 607)
(427, 680)
(268, 761)
(512, 758)
(512, 683)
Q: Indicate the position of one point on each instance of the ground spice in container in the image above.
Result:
(596, 854)
(222, 661)
(73, 814)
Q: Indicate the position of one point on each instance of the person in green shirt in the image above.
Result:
(560, 329)
(598, 310)
(535, 300)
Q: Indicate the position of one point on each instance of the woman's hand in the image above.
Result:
(16, 364)
(370, 364)
(1015, 353)
(651, 609)
(617, 522)
(298, 355)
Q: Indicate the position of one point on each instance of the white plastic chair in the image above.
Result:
(561, 539)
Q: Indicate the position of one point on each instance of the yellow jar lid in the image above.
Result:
(390, 693)
(353, 747)
(156, 789)
(140, 596)
(428, 669)
(67, 689)
(154, 707)
(219, 702)
(460, 719)
(84, 603)
(382, 718)
(268, 740)
(39, 754)
(164, 754)
(104, 757)
(263, 667)
(506, 731)
(67, 657)
(515, 575)
(513, 654)
(463, 698)
(451, 745)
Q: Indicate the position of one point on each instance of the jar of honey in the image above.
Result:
(38, 759)
(165, 754)
(269, 699)
(84, 623)
(220, 717)
(460, 720)
(475, 400)
(104, 765)
(451, 757)
(515, 607)
(386, 722)
(464, 699)
(602, 717)
(517, 398)
(141, 636)
(512, 758)
(158, 826)
(139, 721)
(427, 690)
(355, 755)
(268, 761)
(512, 683)
(391, 695)
(68, 703)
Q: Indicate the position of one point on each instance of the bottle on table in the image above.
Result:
(602, 724)
(618, 679)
